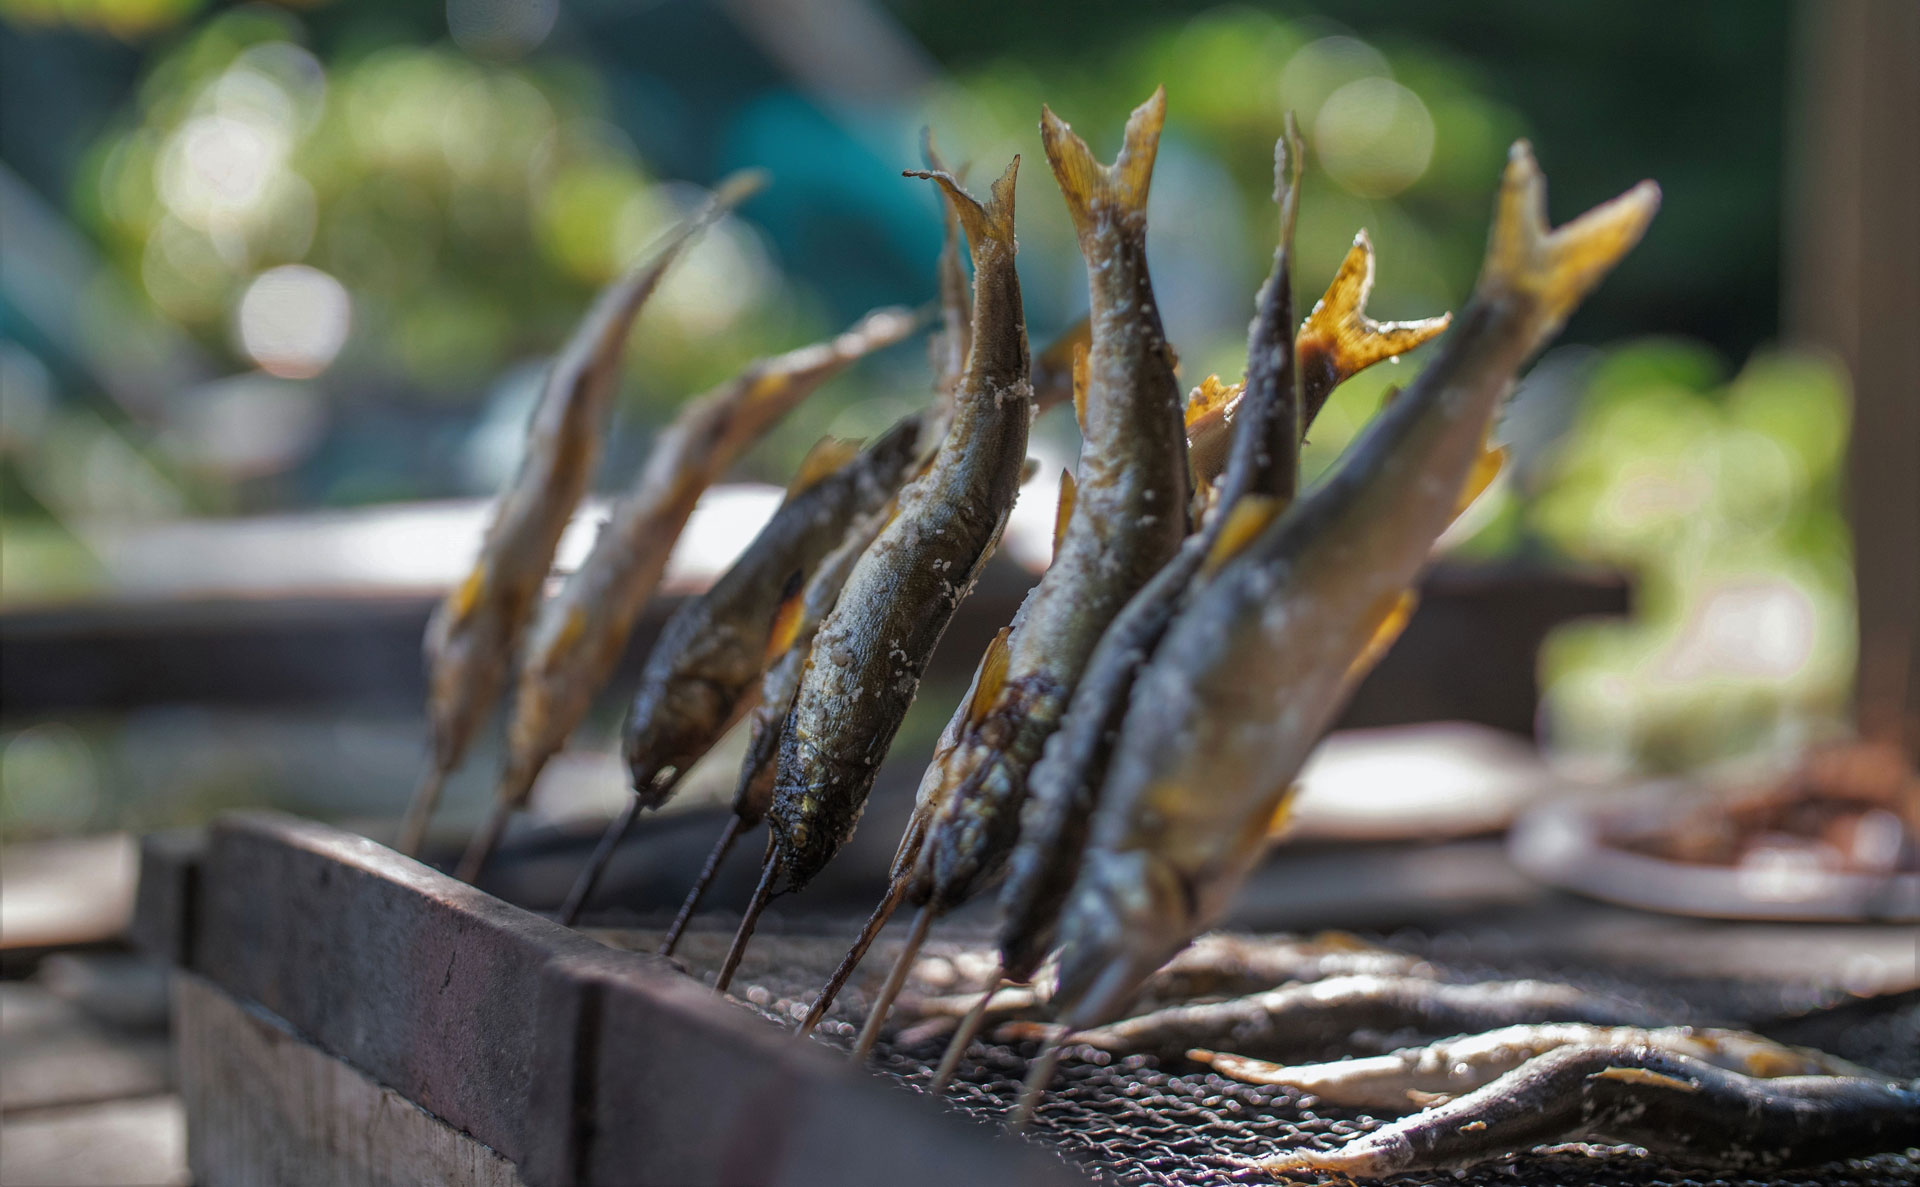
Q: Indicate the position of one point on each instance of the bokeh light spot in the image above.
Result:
(293, 320)
(1374, 137)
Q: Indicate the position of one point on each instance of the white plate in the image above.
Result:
(1560, 843)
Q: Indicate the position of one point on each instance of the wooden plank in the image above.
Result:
(54, 1054)
(264, 1106)
(68, 892)
(424, 983)
(122, 1143)
(648, 1083)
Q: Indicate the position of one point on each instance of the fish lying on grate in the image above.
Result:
(1140, 1120)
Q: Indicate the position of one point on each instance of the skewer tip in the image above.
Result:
(762, 894)
(1039, 1075)
(896, 977)
(963, 1037)
(854, 956)
(721, 848)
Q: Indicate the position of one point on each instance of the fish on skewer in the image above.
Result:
(754, 790)
(1119, 522)
(793, 640)
(868, 656)
(581, 633)
(753, 794)
(701, 675)
(1337, 341)
(1679, 1109)
(472, 635)
(1257, 663)
(1417, 1077)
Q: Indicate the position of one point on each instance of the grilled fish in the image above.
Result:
(1121, 520)
(472, 635)
(1337, 341)
(1680, 1109)
(580, 634)
(868, 656)
(1415, 1077)
(1259, 660)
(705, 669)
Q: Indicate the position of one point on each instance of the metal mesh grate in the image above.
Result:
(1130, 1121)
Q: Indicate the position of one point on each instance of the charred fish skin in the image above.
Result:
(1680, 1109)
(1255, 665)
(711, 655)
(471, 637)
(580, 634)
(868, 656)
(1128, 513)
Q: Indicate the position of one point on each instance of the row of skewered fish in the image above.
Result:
(1130, 741)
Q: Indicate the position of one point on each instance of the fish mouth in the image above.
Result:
(654, 780)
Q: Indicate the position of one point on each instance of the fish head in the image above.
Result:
(672, 733)
(1129, 914)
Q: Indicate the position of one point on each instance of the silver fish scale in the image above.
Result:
(1130, 1121)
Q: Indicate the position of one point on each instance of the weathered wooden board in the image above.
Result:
(265, 1106)
(378, 995)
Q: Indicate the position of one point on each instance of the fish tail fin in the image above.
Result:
(1340, 328)
(989, 225)
(1093, 190)
(1289, 164)
(1556, 268)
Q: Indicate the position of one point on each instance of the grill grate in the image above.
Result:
(1131, 1122)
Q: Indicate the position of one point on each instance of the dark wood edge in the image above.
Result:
(580, 1063)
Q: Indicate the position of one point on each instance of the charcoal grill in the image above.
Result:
(344, 1014)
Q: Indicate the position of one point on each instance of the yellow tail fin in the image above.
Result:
(1339, 330)
(1093, 190)
(1556, 268)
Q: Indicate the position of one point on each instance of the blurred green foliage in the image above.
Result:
(1723, 497)
(466, 205)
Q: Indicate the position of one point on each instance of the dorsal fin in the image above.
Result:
(1080, 359)
(827, 455)
(1212, 397)
(467, 596)
(1642, 1075)
(1063, 510)
(785, 627)
(1486, 468)
(1280, 817)
(1250, 515)
(990, 679)
(1390, 617)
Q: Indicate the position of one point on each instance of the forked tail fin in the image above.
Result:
(1556, 268)
(1092, 189)
(989, 226)
(1338, 340)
